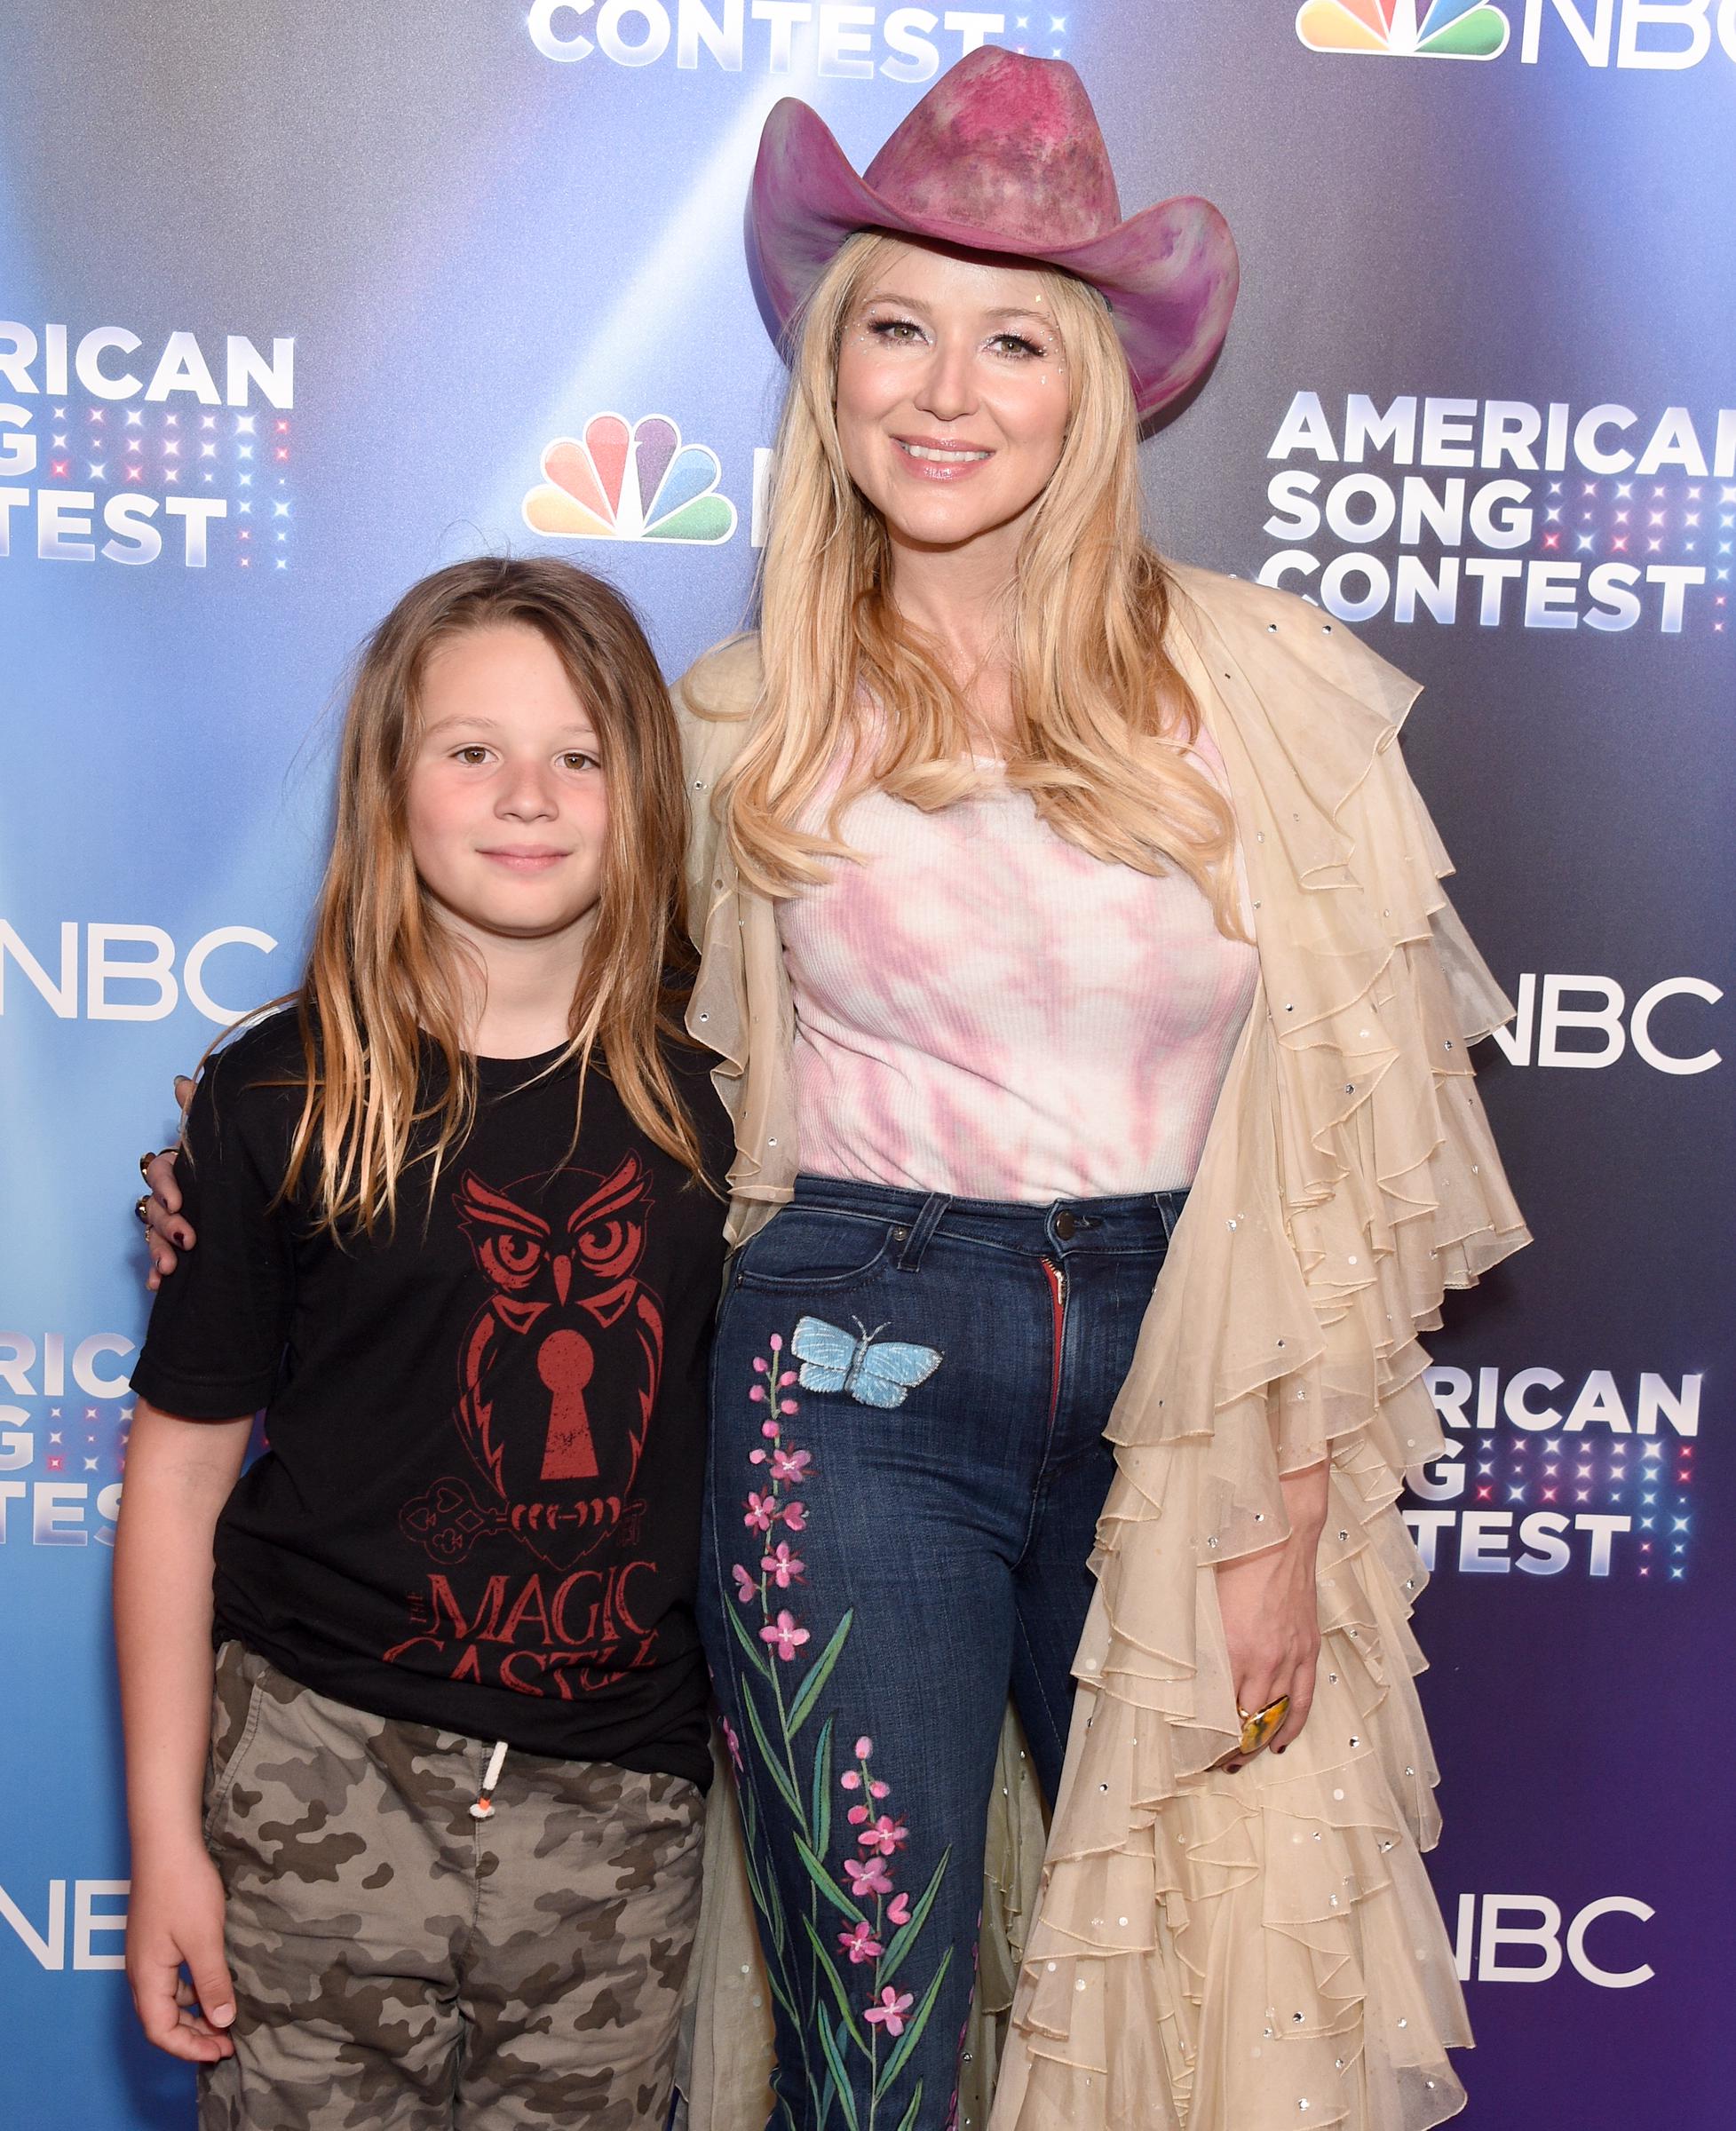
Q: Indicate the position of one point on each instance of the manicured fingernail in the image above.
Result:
(1280, 1749)
(220, 2015)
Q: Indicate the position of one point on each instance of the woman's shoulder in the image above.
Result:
(714, 702)
(1295, 654)
(722, 683)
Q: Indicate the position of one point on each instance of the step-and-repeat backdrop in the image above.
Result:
(300, 302)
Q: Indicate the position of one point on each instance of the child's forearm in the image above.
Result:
(179, 1476)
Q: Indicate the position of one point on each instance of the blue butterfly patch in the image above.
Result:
(862, 1365)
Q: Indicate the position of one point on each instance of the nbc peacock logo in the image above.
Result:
(641, 483)
(1424, 29)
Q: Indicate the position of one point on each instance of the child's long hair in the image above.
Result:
(386, 979)
(1101, 713)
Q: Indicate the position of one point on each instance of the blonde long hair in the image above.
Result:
(1100, 713)
(386, 979)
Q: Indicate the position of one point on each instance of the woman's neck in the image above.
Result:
(962, 599)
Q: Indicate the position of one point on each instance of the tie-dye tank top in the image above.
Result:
(985, 1010)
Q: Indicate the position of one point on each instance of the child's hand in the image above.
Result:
(175, 1918)
(165, 1233)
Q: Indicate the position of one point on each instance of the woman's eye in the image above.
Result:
(899, 331)
(1016, 343)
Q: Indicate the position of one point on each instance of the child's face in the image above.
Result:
(508, 807)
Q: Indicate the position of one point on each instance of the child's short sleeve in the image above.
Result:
(215, 1346)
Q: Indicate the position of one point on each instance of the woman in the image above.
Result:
(1055, 890)
(1040, 887)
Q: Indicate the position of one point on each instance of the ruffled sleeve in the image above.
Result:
(740, 1006)
(1238, 1953)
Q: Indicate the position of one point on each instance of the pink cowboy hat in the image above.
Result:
(1004, 156)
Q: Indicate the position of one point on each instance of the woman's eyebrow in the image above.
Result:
(999, 311)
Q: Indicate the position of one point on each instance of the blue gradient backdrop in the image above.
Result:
(475, 247)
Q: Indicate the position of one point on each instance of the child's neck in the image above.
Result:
(525, 1002)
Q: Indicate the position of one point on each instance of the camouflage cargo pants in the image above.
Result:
(401, 1966)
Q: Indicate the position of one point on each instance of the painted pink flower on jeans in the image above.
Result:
(898, 1910)
(791, 1464)
(893, 2008)
(734, 1747)
(861, 1943)
(783, 1567)
(885, 1835)
(867, 1879)
(785, 1637)
(747, 1585)
(762, 1512)
(795, 1514)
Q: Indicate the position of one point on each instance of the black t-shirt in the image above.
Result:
(479, 1506)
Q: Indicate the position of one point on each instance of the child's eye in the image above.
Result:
(575, 758)
(473, 754)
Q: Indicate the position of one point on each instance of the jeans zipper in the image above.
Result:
(1058, 1296)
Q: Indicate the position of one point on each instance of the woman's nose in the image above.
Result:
(947, 390)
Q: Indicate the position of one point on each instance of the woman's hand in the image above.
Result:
(175, 1920)
(166, 1233)
(1270, 1613)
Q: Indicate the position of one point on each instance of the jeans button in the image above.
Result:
(1064, 1224)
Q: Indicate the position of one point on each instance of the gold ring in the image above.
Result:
(145, 1161)
(138, 1206)
(1260, 1726)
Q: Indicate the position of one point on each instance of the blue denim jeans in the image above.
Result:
(907, 1462)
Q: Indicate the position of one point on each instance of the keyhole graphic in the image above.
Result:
(564, 1364)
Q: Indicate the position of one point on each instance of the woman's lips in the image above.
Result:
(938, 459)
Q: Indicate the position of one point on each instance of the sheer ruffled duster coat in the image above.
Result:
(1204, 1952)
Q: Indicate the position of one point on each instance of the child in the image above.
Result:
(453, 1743)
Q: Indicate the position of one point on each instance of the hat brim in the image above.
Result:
(1170, 271)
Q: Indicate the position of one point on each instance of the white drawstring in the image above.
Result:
(484, 1808)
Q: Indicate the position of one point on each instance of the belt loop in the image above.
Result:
(1168, 1206)
(910, 1257)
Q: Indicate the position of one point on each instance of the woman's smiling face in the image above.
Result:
(953, 394)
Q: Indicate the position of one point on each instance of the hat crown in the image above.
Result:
(1006, 145)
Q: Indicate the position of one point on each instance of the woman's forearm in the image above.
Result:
(1271, 1610)
(1306, 1500)
(179, 1476)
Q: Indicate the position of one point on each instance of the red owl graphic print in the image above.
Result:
(558, 1373)
(566, 1288)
